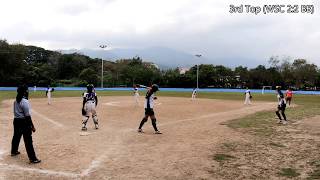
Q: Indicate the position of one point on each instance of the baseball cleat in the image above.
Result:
(96, 126)
(15, 153)
(284, 122)
(140, 131)
(84, 128)
(35, 161)
(158, 132)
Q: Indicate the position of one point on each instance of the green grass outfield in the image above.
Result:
(210, 95)
(298, 99)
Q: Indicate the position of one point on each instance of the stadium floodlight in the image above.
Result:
(102, 46)
(198, 55)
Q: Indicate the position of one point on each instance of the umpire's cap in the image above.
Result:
(22, 89)
(155, 88)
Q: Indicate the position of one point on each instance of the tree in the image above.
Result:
(89, 75)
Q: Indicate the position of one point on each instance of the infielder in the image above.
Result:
(148, 106)
(194, 94)
(281, 106)
(48, 94)
(90, 102)
(289, 95)
(136, 94)
(248, 97)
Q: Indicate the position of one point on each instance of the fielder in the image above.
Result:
(48, 94)
(90, 102)
(136, 94)
(289, 95)
(194, 94)
(281, 106)
(148, 106)
(248, 97)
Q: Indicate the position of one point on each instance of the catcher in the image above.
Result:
(149, 104)
(90, 102)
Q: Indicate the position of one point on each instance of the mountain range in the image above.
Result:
(164, 57)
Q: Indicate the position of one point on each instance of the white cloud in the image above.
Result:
(190, 25)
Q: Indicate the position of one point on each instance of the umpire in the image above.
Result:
(23, 125)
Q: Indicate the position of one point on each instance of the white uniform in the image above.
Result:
(281, 101)
(149, 102)
(136, 95)
(194, 94)
(90, 108)
(247, 97)
(49, 90)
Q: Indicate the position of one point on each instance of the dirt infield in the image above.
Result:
(191, 130)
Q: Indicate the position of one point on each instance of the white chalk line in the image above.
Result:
(232, 112)
(93, 165)
(2, 152)
(47, 119)
(11, 167)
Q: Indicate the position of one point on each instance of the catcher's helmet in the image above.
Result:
(155, 88)
(90, 87)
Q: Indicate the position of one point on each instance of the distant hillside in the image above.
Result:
(164, 57)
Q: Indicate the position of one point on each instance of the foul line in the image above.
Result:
(233, 113)
(93, 165)
(11, 167)
(2, 152)
(47, 119)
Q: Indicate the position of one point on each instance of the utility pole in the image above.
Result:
(198, 55)
(102, 46)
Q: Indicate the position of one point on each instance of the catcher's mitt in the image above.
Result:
(83, 112)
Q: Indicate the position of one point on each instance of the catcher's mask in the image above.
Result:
(90, 87)
(155, 88)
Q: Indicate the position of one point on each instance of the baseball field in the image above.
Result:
(214, 137)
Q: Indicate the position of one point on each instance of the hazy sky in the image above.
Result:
(194, 26)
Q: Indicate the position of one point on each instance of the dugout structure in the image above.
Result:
(266, 87)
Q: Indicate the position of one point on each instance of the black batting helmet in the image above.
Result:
(155, 88)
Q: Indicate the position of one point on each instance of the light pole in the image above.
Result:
(198, 55)
(102, 46)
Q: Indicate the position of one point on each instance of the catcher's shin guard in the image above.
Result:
(154, 124)
(95, 121)
(85, 120)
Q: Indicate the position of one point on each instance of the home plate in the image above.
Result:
(83, 133)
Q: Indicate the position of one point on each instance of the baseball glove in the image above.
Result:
(83, 112)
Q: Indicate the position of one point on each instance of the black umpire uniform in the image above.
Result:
(23, 125)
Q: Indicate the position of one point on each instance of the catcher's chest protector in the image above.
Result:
(90, 96)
